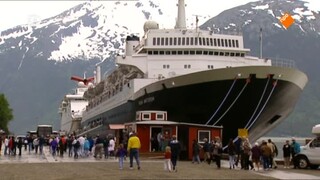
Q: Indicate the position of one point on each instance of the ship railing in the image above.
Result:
(281, 62)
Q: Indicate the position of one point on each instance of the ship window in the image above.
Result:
(237, 43)
(167, 52)
(200, 42)
(211, 42)
(174, 41)
(230, 43)
(232, 54)
(195, 41)
(237, 54)
(226, 53)
(210, 66)
(150, 52)
(154, 41)
(221, 53)
(208, 42)
(167, 41)
(216, 53)
(161, 52)
(205, 52)
(222, 43)
(183, 41)
(191, 41)
(166, 66)
(218, 42)
(158, 41)
(171, 41)
(174, 52)
(242, 54)
(192, 52)
(179, 41)
(187, 41)
(186, 52)
(179, 52)
(226, 42)
(210, 52)
(162, 41)
(233, 45)
(198, 52)
(215, 42)
(187, 66)
(204, 41)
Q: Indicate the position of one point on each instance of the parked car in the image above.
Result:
(309, 155)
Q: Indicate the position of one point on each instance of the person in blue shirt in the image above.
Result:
(295, 150)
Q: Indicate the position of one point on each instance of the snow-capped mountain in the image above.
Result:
(266, 14)
(91, 30)
(78, 38)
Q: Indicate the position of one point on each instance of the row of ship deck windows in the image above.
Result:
(186, 66)
(164, 41)
(216, 53)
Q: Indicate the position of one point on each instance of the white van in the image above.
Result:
(309, 155)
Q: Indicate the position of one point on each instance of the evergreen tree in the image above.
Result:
(5, 113)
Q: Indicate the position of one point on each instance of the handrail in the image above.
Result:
(282, 62)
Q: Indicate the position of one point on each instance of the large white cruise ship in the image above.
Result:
(197, 76)
(73, 105)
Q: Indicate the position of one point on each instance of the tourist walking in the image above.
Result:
(121, 154)
(19, 144)
(217, 151)
(6, 145)
(175, 151)
(133, 148)
(231, 153)
(295, 149)
(54, 146)
(206, 150)
(256, 155)
(36, 145)
(286, 154)
(98, 147)
(266, 153)
(42, 142)
(195, 151)
(167, 159)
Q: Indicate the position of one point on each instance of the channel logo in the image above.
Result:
(286, 20)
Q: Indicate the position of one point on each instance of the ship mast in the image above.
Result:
(181, 19)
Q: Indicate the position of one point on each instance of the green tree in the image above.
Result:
(5, 113)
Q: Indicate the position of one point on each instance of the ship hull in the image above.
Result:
(255, 98)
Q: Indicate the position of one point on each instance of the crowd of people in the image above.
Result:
(240, 152)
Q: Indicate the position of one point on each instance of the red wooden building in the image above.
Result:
(149, 123)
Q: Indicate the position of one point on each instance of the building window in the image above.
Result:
(161, 52)
(186, 52)
(230, 43)
(216, 53)
(218, 42)
(211, 42)
(155, 52)
(150, 52)
(232, 54)
(174, 41)
(179, 52)
(204, 134)
(210, 53)
(205, 52)
(168, 53)
(226, 53)
(192, 52)
(198, 52)
(191, 41)
(174, 52)
(195, 41)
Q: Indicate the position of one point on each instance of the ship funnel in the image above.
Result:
(181, 19)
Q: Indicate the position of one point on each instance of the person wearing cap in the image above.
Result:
(295, 146)
(256, 155)
(133, 148)
(175, 151)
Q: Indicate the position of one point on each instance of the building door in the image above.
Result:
(154, 145)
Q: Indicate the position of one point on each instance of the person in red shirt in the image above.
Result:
(167, 159)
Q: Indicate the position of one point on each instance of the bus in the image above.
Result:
(44, 130)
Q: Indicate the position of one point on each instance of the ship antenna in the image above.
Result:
(181, 19)
(197, 22)
(260, 39)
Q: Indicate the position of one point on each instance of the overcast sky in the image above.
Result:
(13, 13)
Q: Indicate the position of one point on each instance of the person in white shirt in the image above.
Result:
(111, 147)
(6, 144)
